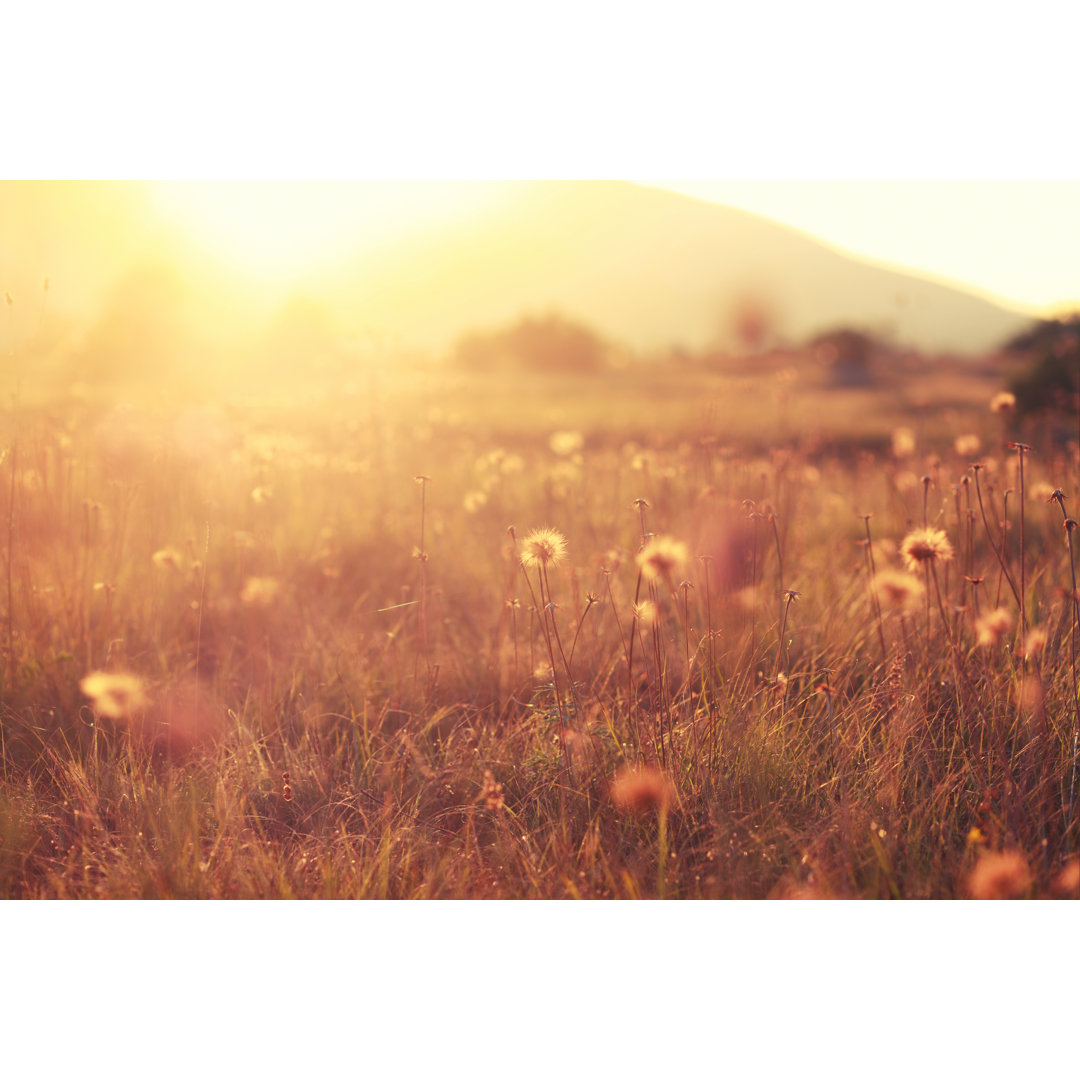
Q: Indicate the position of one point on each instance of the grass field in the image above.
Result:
(683, 633)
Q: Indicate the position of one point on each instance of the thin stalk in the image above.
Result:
(873, 592)
(1021, 448)
(990, 538)
(1070, 526)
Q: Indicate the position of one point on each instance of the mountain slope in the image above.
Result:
(650, 268)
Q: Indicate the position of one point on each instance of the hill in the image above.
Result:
(651, 268)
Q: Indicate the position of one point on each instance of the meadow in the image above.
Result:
(673, 632)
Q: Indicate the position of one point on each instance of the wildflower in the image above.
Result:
(639, 790)
(646, 613)
(898, 590)
(967, 446)
(925, 546)
(473, 501)
(168, 558)
(1067, 883)
(1003, 402)
(260, 591)
(1003, 876)
(993, 626)
(903, 442)
(115, 695)
(662, 557)
(491, 793)
(565, 443)
(1035, 641)
(543, 547)
(611, 560)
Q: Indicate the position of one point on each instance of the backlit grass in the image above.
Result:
(634, 636)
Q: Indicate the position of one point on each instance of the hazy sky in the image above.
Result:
(1015, 240)
(777, 90)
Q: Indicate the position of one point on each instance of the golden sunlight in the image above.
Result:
(282, 231)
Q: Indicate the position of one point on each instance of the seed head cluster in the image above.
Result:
(117, 695)
(898, 590)
(543, 547)
(999, 876)
(662, 557)
(993, 626)
(641, 790)
(925, 546)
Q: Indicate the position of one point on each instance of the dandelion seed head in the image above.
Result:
(491, 792)
(565, 443)
(925, 546)
(662, 557)
(646, 613)
(903, 442)
(642, 790)
(1035, 641)
(543, 547)
(967, 446)
(993, 626)
(999, 876)
(117, 695)
(168, 559)
(473, 501)
(1067, 883)
(260, 591)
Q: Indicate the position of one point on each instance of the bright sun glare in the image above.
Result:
(284, 230)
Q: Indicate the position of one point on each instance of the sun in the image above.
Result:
(285, 231)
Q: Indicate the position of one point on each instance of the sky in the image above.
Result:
(1013, 241)
(963, 130)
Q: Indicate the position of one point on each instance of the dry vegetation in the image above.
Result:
(315, 645)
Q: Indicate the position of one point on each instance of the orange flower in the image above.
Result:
(1003, 876)
(640, 790)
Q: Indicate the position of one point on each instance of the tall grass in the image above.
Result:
(317, 715)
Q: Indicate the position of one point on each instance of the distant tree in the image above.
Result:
(846, 354)
(534, 343)
(1052, 378)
